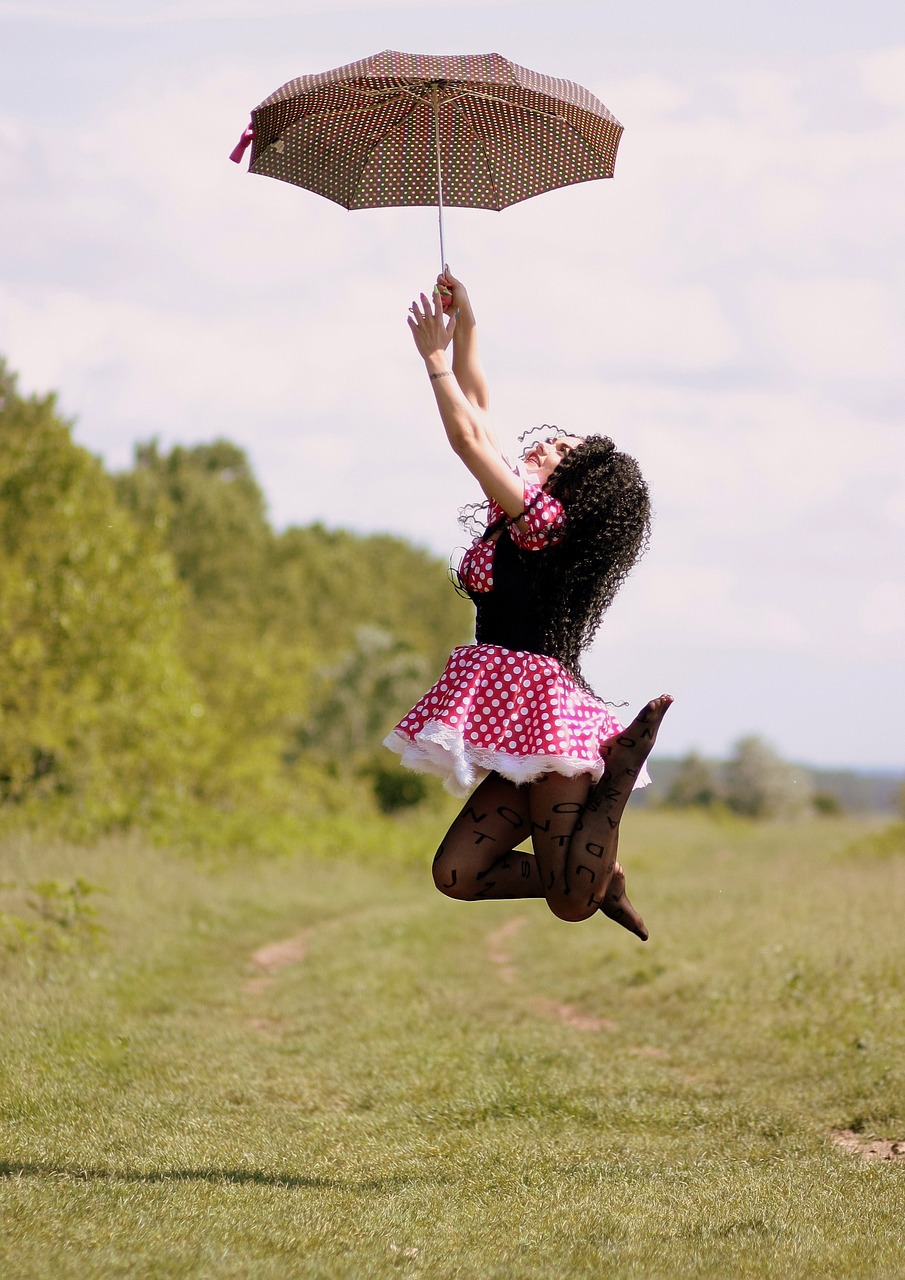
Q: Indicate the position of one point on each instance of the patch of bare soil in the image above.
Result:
(500, 954)
(571, 1016)
(868, 1148)
(271, 959)
(498, 947)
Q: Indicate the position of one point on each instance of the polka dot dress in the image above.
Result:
(502, 710)
(494, 709)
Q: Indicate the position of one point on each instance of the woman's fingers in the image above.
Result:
(427, 317)
(452, 282)
(428, 309)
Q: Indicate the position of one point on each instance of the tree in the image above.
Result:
(252, 668)
(695, 784)
(759, 784)
(334, 581)
(212, 511)
(96, 701)
(265, 610)
(361, 696)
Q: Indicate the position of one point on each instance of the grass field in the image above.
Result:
(320, 1069)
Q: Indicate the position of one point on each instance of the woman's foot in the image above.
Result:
(625, 756)
(616, 906)
(628, 752)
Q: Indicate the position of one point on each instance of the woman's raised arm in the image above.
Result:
(466, 424)
(466, 360)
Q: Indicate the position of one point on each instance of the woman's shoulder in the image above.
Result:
(543, 522)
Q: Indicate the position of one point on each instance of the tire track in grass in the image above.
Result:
(276, 956)
(571, 1016)
(270, 960)
(499, 952)
(500, 955)
(498, 947)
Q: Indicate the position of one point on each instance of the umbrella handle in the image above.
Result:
(435, 100)
(242, 145)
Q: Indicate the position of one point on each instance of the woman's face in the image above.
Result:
(545, 456)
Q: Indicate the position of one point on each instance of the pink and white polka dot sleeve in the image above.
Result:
(545, 520)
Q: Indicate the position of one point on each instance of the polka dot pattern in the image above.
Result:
(518, 713)
(544, 520)
(363, 135)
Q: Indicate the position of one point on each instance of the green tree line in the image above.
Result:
(166, 647)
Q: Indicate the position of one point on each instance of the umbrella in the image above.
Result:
(414, 129)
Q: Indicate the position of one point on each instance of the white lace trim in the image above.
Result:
(441, 750)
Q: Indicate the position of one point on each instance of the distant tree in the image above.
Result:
(759, 784)
(266, 611)
(95, 702)
(361, 696)
(395, 787)
(251, 665)
(826, 804)
(696, 784)
(332, 581)
(212, 510)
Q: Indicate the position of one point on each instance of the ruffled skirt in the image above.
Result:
(505, 711)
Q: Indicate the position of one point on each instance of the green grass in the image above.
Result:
(455, 1090)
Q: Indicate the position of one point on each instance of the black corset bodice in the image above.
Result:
(509, 615)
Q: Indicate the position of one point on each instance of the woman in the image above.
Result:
(512, 715)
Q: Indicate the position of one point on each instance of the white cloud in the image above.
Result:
(645, 98)
(883, 610)
(772, 98)
(832, 327)
(883, 76)
(894, 508)
(152, 13)
(710, 606)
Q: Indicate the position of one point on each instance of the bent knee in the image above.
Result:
(572, 910)
(447, 880)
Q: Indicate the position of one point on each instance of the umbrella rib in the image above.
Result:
(479, 143)
(504, 102)
(387, 95)
(387, 130)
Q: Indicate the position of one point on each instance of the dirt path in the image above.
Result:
(498, 947)
(867, 1148)
(269, 960)
(500, 955)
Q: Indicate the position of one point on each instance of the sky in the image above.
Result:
(729, 308)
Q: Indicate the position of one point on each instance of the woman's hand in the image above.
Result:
(432, 330)
(460, 303)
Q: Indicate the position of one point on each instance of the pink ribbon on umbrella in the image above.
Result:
(242, 145)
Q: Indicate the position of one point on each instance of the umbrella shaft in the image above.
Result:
(436, 105)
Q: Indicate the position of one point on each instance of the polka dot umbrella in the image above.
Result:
(411, 129)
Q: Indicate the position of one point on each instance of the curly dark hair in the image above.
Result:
(607, 506)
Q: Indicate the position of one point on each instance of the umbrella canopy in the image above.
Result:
(410, 129)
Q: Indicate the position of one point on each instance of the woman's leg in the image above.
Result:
(618, 907)
(577, 862)
(573, 828)
(476, 859)
(556, 806)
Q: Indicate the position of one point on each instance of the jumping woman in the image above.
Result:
(512, 719)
